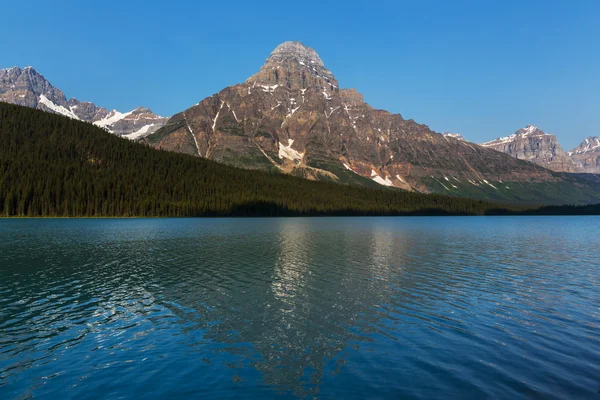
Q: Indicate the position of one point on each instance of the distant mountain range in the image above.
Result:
(29, 88)
(292, 117)
(534, 145)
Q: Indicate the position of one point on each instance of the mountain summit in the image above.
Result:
(27, 87)
(292, 117)
(587, 155)
(534, 145)
(294, 65)
(296, 51)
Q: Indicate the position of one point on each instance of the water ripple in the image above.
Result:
(327, 308)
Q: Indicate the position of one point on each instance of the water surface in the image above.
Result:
(446, 307)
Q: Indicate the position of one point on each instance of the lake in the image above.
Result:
(421, 307)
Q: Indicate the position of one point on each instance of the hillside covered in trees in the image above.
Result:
(54, 166)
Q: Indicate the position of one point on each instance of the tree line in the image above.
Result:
(53, 166)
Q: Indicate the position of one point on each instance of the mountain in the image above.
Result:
(134, 124)
(587, 155)
(87, 111)
(27, 87)
(534, 145)
(293, 117)
(51, 165)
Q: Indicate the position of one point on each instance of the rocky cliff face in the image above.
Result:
(26, 87)
(534, 145)
(86, 111)
(293, 117)
(587, 155)
(29, 88)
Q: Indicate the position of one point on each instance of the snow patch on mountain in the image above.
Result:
(288, 152)
(385, 182)
(456, 136)
(590, 144)
(112, 118)
(56, 108)
(140, 133)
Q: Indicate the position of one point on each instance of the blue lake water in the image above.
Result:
(447, 307)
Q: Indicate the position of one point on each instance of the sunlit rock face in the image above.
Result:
(587, 155)
(292, 116)
(534, 145)
(27, 87)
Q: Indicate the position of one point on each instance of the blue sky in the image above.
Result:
(479, 68)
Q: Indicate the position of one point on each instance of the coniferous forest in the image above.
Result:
(57, 167)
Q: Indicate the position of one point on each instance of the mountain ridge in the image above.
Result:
(27, 87)
(587, 155)
(534, 145)
(110, 177)
(292, 116)
(113, 177)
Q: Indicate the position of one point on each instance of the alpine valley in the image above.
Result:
(292, 117)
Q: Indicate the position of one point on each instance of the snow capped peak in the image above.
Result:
(590, 144)
(529, 130)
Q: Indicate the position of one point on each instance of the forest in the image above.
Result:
(53, 166)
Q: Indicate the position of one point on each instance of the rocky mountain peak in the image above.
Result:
(530, 130)
(587, 155)
(291, 117)
(534, 145)
(141, 110)
(296, 51)
(295, 66)
(27, 87)
(590, 144)
(87, 111)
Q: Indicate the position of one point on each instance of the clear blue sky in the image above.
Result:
(479, 68)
